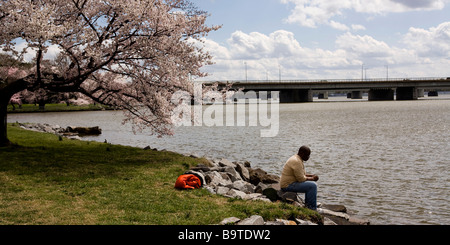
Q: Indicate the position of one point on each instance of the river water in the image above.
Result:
(385, 161)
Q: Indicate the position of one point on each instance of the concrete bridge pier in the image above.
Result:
(379, 94)
(407, 93)
(296, 95)
(420, 92)
(323, 95)
(357, 95)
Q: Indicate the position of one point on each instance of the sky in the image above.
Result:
(323, 39)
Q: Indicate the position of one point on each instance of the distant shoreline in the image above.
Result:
(31, 108)
(62, 107)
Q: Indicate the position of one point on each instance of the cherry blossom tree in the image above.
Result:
(16, 100)
(130, 54)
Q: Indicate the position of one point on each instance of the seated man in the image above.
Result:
(295, 179)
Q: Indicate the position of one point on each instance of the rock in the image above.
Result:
(350, 221)
(225, 163)
(235, 194)
(271, 193)
(289, 197)
(286, 222)
(304, 222)
(262, 198)
(221, 190)
(212, 162)
(47, 129)
(258, 175)
(253, 220)
(209, 176)
(74, 137)
(243, 186)
(358, 221)
(193, 155)
(233, 174)
(243, 171)
(84, 131)
(209, 162)
(327, 212)
(272, 179)
(210, 189)
(261, 187)
(202, 168)
(230, 221)
(274, 223)
(335, 208)
(327, 221)
(254, 196)
(226, 176)
(299, 204)
(216, 179)
(58, 129)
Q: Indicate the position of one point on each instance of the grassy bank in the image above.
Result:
(47, 181)
(28, 108)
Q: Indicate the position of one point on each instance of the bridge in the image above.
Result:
(294, 91)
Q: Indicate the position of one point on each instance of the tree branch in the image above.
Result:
(88, 21)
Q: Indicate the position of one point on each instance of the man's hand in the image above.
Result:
(312, 177)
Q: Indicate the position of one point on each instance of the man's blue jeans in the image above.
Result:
(310, 190)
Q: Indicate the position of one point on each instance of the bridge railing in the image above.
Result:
(333, 80)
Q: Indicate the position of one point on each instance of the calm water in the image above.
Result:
(385, 161)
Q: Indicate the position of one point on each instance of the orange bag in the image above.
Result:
(188, 181)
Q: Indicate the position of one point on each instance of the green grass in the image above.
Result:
(45, 181)
(55, 108)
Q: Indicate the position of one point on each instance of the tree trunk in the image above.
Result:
(6, 93)
(42, 105)
(3, 131)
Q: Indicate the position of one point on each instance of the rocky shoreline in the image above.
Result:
(240, 180)
(70, 132)
(233, 180)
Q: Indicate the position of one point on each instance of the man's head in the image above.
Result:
(304, 153)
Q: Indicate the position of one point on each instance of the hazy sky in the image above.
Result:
(323, 39)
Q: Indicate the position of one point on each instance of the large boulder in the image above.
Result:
(226, 163)
(230, 221)
(233, 193)
(232, 173)
(222, 190)
(290, 197)
(253, 220)
(335, 208)
(84, 131)
(270, 191)
(243, 171)
(258, 175)
(242, 186)
(216, 179)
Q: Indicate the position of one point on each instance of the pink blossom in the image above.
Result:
(16, 99)
(132, 55)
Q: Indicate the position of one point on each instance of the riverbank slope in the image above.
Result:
(50, 180)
